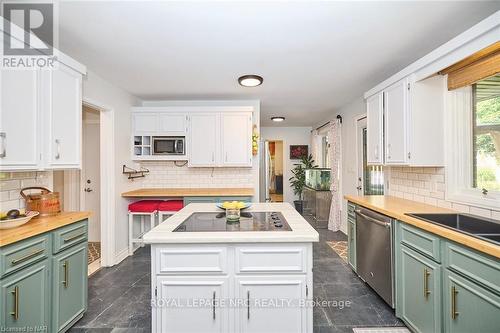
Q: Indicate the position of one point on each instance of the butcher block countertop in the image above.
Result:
(188, 192)
(397, 208)
(40, 226)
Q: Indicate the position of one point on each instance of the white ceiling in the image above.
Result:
(314, 56)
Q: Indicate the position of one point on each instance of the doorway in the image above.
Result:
(80, 190)
(370, 177)
(276, 171)
(90, 182)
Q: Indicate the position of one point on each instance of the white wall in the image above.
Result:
(289, 136)
(101, 92)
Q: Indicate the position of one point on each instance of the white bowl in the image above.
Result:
(8, 224)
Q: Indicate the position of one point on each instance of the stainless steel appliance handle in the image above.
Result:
(213, 305)
(371, 219)
(175, 145)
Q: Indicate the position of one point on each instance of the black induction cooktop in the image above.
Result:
(249, 221)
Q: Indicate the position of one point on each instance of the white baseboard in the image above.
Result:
(120, 256)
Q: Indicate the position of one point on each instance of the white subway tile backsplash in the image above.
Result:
(480, 211)
(167, 174)
(11, 184)
(428, 184)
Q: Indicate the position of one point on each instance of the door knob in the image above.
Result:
(88, 189)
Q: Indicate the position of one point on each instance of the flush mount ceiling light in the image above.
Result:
(250, 80)
(278, 119)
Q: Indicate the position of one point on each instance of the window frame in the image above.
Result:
(459, 153)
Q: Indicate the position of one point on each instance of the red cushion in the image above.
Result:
(144, 206)
(171, 206)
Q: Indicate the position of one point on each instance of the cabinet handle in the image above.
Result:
(26, 257)
(15, 313)
(226, 157)
(58, 150)
(389, 151)
(454, 312)
(426, 283)
(69, 239)
(248, 304)
(3, 154)
(213, 157)
(66, 274)
(213, 305)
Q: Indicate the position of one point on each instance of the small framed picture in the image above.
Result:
(298, 151)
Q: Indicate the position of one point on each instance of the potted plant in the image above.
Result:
(298, 180)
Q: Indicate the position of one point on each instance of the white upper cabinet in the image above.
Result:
(19, 119)
(396, 123)
(236, 135)
(375, 132)
(203, 139)
(62, 107)
(145, 123)
(173, 124)
(412, 117)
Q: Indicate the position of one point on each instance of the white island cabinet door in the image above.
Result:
(236, 139)
(375, 129)
(62, 88)
(203, 139)
(191, 304)
(18, 120)
(396, 123)
(266, 308)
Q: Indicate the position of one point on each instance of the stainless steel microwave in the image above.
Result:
(169, 145)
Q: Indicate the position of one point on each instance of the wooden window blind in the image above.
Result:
(480, 65)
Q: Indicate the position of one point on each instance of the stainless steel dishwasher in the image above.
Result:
(374, 257)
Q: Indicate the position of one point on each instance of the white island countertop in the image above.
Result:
(301, 231)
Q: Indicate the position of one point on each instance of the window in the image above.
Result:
(486, 134)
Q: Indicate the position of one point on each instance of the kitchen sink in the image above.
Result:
(480, 227)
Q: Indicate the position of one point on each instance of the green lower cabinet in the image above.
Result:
(351, 244)
(69, 287)
(468, 307)
(418, 291)
(25, 298)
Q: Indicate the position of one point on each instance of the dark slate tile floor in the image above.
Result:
(119, 297)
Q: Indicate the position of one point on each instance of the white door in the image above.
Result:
(173, 124)
(63, 87)
(19, 119)
(236, 139)
(256, 317)
(191, 304)
(375, 128)
(203, 139)
(145, 123)
(396, 115)
(90, 181)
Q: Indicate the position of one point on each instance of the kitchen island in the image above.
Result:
(252, 276)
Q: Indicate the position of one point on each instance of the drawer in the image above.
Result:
(271, 259)
(191, 259)
(68, 236)
(419, 240)
(474, 265)
(24, 253)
